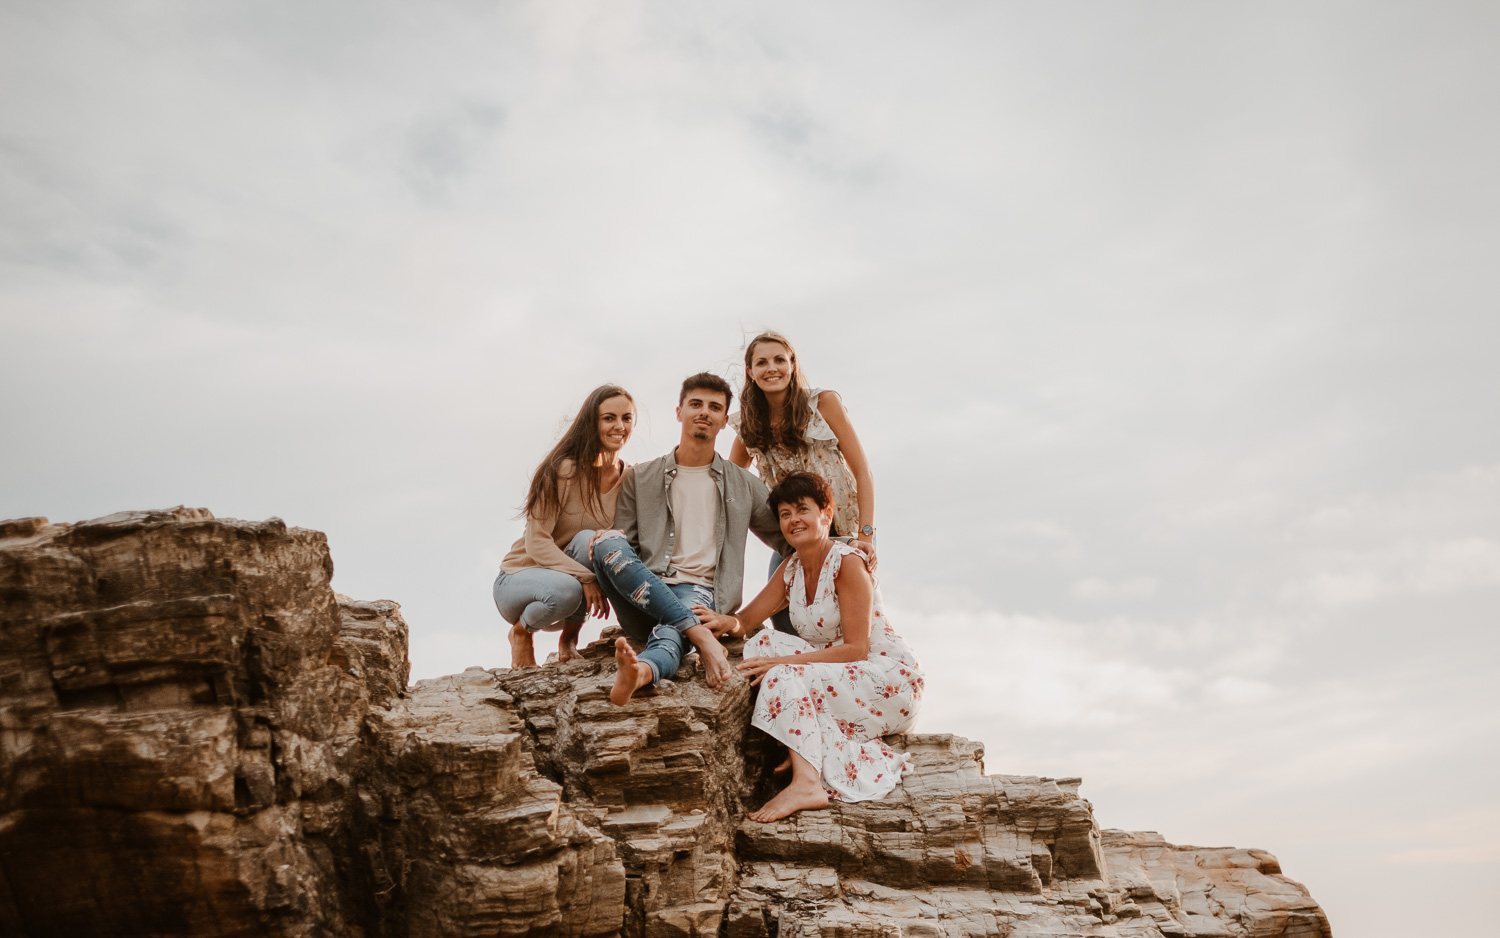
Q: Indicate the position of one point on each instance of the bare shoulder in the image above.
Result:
(830, 400)
(853, 567)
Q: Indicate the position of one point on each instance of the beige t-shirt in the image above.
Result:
(695, 509)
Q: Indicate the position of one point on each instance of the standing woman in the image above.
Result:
(546, 582)
(787, 427)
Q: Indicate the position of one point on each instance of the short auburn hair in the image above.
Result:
(799, 485)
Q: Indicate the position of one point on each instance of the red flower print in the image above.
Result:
(773, 706)
(851, 771)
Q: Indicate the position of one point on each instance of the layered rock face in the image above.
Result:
(198, 737)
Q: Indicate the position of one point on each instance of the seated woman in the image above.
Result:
(546, 582)
(846, 679)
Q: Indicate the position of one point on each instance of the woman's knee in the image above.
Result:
(759, 646)
(578, 547)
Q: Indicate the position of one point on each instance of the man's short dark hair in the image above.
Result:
(707, 382)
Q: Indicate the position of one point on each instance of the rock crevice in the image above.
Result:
(198, 737)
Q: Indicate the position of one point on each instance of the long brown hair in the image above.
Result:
(580, 444)
(756, 430)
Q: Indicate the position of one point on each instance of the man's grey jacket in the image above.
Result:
(644, 513)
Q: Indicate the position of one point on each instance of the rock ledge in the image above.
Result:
(200, 738)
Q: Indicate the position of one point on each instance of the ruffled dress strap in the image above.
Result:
(817, 427)
(789, 570)
(839, 551)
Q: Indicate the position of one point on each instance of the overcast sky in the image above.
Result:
(1170, 328)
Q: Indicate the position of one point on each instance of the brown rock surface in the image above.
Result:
(198, 737)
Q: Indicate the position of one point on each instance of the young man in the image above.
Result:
(682, 520)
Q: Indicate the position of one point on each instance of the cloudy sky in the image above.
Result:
(1170, 329)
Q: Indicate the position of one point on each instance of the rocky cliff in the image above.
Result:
(198, 737)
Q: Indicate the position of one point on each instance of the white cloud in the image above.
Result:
(1125, 589)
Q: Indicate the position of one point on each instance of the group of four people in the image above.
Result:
(663, 544)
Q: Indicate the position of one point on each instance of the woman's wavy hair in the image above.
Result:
(581, 445)
(755, 411)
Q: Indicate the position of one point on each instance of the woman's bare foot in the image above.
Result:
(798, 796)
(521, 653)
(630, 674)
(567, 642)
(785, 766)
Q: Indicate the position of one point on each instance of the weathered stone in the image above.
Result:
(197, 737)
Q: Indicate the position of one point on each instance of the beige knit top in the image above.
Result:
(542, 544)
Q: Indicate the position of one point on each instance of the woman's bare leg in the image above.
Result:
(522, 655)
(567, 642)
(804, 791)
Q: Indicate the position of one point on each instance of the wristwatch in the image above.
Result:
(868, 530)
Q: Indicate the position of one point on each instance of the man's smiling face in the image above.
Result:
(703, 413)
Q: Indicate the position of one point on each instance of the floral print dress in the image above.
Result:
(834, 713)
(821, 456)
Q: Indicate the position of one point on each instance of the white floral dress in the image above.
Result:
(834, 713)
(821, 456)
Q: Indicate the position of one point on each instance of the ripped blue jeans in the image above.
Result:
(648, 610)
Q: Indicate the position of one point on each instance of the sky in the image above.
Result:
(1170, 330)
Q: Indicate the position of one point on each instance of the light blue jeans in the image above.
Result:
(542, 599)
(648, 610)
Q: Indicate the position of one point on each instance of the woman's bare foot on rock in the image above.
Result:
(567, 642)
(798, 796)
(628, 674)
(521, 653)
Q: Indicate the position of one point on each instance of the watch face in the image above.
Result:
(867, 530)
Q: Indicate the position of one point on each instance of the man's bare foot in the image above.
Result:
(797, 796)
(630, 674)
(716, 669)
(521, 653)
(567, 642)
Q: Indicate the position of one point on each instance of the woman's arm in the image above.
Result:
(831, 406)
(738, 454)
(770, 600)
(856, 595)
(544, 550)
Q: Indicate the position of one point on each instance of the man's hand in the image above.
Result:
(594, 596)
